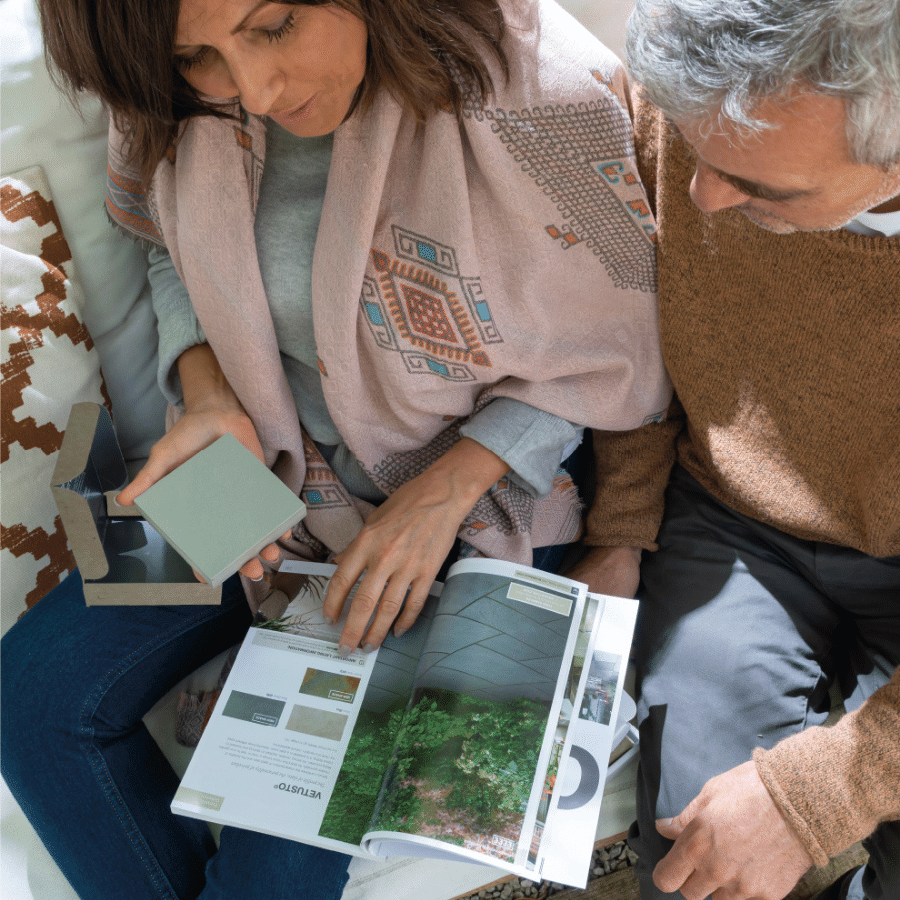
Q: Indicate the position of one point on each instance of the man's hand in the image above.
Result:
(731, 843)
(404, 543)
(609, 570)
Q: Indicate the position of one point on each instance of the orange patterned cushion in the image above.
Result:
(48, 363)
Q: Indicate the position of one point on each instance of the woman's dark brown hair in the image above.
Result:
(427, 53)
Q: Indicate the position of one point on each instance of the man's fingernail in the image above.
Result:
(368, 648)
(345, 650)
(399, 632)
(328, 619)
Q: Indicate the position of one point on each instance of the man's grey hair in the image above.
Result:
(713, 61)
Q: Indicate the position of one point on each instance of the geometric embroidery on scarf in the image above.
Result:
(568, 239)
(419, 306)
(321, 490)
(398, 468)
(506, 507)
(655, 417)
(598, 75)
(126, 205)
(574, 154)
(568, 528)
(253, 165)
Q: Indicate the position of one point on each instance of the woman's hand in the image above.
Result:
(211, 410)
(404, 542)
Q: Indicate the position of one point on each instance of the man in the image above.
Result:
(768, 136)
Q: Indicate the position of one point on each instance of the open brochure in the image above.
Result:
(481, 735)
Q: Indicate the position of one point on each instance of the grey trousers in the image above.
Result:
(741, 631)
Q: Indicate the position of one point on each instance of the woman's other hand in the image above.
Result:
(212, 410)
(404, 543)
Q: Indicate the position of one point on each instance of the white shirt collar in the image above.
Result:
(885, 224)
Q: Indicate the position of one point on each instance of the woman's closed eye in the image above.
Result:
(272, 35)
(186, 63)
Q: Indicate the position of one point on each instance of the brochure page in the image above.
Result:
(574, 808)
(274, 755)
(371, 746)
(482, 734)
(471, 755)
(571, 699)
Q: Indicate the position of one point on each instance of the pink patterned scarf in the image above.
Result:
(509, 254)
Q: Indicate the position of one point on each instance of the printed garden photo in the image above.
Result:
(462, 772)
(456, 758)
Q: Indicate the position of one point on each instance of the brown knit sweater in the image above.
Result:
(784, 351)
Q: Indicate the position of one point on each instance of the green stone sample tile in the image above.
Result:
(220, 508)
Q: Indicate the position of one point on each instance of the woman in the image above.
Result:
(418, 262)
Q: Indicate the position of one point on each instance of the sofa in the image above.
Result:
(78, 324)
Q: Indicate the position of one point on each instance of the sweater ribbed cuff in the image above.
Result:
(835, 785)
(796, 821)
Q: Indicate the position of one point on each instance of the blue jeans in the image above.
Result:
(76, 682)
(741, 630)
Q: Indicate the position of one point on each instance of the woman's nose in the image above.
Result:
(258, 83)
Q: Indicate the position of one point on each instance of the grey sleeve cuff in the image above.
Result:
(532, 442)
(176, 321)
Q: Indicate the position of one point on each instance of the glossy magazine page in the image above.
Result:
(273, 756)
(471, 758)
(444, 743)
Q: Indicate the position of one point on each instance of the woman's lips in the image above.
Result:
(298, 114)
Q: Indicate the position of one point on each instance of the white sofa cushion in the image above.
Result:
(40, 127)
(48, 363)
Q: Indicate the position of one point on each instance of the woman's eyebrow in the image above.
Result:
(249, 15)
(242, 24)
